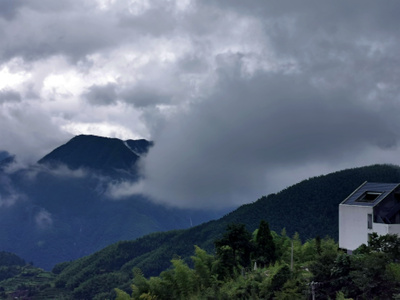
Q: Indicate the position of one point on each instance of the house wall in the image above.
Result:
(353, 226)
(394, 229)
(383, 229)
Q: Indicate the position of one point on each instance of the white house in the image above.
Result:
(372, 207)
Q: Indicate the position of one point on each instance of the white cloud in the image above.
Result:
(102, 129)
(43, 219)
(9, 194)
(12, 74)
(121, 190)
(7, 201)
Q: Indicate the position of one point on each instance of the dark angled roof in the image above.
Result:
(370, 193)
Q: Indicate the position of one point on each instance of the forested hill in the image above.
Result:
(309, 208)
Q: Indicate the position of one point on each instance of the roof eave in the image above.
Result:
(356, 190)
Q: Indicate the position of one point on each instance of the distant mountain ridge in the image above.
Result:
(53, 212)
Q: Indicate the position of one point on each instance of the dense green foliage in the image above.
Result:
(265, 252)
(309, 207)
(9, 265)
(372, 272)
(234, 248)
(316, 267)
(19, 280)
(320, 270)
(10, 259)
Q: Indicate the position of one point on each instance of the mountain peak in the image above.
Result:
(139, 147)
(98, 153)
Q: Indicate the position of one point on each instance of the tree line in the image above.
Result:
(266, 265)
(244, 265)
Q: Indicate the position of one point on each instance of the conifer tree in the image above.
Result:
(238, 241)
(265, 247)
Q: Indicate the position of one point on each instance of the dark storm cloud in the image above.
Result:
(328, 96)
(232, 92)
(221, 151)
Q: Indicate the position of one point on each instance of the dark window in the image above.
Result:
(369, 197)
(369, 221)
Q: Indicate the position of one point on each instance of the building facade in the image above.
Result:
(372, 207)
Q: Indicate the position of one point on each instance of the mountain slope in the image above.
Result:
(59, 210)
(309, 207)
(19, 280)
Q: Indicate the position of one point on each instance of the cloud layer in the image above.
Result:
(240, 98)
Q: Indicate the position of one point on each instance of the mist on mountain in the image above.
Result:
(60, 209)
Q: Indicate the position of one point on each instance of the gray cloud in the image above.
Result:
(9, 195)
(226, 146)
(234, 94)
(156, 21)
(9, 96)
(28, 143)
(60, 171)
(102, 94)
(8, 8)
(144, 96)
(193, 64)
(43, 219)
(7, 201)
(43, 30)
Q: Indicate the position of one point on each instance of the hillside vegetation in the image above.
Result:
(262, 265)
(309, 208)
(19, 280)
(270, 266)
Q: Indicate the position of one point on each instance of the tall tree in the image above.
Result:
(265, 247)
(237, 241)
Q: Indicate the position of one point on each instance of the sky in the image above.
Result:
(242, 98)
